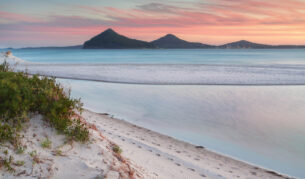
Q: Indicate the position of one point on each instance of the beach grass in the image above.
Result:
(22, 95)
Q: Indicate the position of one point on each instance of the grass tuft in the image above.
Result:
(19, 163)
(116, 149)
(22, 95)
(7, 164)
(46, 143)
(20, 150)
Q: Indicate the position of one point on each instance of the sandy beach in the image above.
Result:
(159, 156)
(145, 154)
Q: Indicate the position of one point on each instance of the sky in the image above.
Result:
(32, 23)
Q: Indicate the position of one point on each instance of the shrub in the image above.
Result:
(6, 163)
(116, 149)
(22, 95)
(46, 143)
(33, 153)
(6, 133)
(20, 150)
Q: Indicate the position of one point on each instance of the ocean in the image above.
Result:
(172, 56)
(262, 124)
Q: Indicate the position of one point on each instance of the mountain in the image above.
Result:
(171, 41)
(109, 39)
(288, 46)
(244, 44)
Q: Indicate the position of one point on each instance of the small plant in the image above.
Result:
(6, 163)
(116, 149)
(35, 157)
(4, 67)
(78, 131)
(57, 152)
(33, 153)
(19, 163)
(6, 132)
(20, 150)
(46, 143)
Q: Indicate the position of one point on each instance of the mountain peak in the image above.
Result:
(110, 39)
(244, 44)
(170, 36)
(109, 31)
(172, 41)
(244, 41)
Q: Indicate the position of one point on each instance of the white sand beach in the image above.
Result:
(145, 154)
(161, 156)
(62, 159)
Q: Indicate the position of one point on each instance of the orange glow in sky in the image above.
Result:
(60, 23)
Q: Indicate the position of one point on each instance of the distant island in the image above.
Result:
(109, 39)
(171, 41)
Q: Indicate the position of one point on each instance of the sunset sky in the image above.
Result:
(65, 22)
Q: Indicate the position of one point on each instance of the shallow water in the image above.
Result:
(263, 125)
(163, 56)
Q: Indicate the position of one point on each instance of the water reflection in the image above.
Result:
(264, 125)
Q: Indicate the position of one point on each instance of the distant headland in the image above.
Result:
(109, 39)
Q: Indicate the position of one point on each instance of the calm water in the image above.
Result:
(264, 125)
(261, 125)
(205, 56)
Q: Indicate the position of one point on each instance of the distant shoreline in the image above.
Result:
(109, 39)
(67, 47)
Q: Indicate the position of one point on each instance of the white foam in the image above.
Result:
(174, 74)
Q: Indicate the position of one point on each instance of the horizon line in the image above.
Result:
(215, 45)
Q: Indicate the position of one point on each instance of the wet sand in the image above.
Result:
(161, 156)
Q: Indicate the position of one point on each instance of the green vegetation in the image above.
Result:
(58, 152)
(20, 150)
(46, 143)
(6, 163)
(19, 163)
(35, 157)
(116, 149)
(33, 153)
(22, 95)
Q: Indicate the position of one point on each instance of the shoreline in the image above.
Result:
(168, 84)
(171, 74)
(150, 150)
(141, 153)
(181, 156)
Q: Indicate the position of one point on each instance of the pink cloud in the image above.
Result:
(14, 17)
(217, 22)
